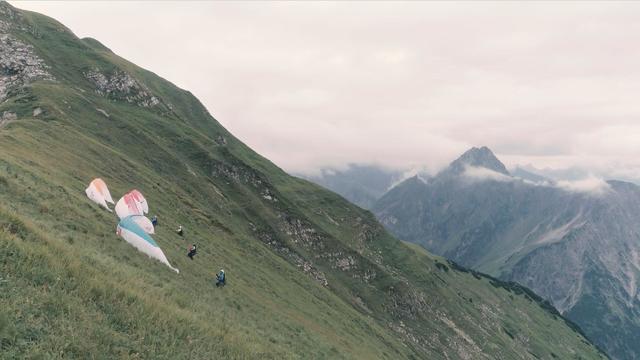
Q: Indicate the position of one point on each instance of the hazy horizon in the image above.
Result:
(400, 85)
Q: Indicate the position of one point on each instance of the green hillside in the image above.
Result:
(309, 275)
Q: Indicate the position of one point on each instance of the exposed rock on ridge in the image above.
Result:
(19, 65)
(121, 86)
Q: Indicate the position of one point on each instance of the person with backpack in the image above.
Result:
(179, 231)
(222, 279)
(192, 252)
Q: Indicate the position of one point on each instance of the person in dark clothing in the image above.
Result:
(192, 252)
(222, 279)
(179, 231)
(154, 221)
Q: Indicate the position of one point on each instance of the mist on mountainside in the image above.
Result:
(573, 242)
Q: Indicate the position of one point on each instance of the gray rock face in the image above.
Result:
(19, 65)
(477, 157)
(121, 86)
(9, 16)
(7, 117)
(578, 248)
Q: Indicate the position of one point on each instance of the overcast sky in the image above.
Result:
(311, 85)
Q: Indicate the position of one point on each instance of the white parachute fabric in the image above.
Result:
(127, 207)
(96, 197)
(132, 203)
(144, 223)
(142, 202)
(105, 190)
(99, 193)
(132, 233)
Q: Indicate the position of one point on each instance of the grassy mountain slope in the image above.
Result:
(310, 275)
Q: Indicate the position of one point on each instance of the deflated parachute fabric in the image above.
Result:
(132, 233)
(137, 196)
(144, 223)
(99, 193)
(132, 203)
(127, 206)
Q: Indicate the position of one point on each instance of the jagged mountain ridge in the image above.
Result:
(309, 274)
(360, 184)
(481, 157)
(576, 246)
(363, 185)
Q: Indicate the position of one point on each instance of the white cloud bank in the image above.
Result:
(591, 185)
(481, 174)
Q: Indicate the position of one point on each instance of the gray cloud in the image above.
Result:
(398, 84)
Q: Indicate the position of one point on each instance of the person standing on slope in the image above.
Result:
(179, 231)
(192, 252)
(222, 279)
(154, 221)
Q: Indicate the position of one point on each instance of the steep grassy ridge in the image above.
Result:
(310, 275)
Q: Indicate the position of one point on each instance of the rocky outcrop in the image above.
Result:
(12, 20)
(271, 239)
(8, 16)
(19, 65)
(221, 140)
(119, 85)
(7, 117)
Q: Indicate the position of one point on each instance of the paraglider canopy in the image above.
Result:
(132, 203)
(137, 196)
(99, 193)
(144, 223)
(132, 233)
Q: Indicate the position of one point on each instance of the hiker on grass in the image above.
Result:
(221, 279)
(192, 252)
(179, 231)
(154, 221)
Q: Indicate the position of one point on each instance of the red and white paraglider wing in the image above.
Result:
(128, 206)
(139, 198)
(96, 193)
(102, 188)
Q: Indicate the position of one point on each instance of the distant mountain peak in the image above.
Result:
(478, 157)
